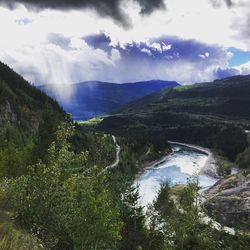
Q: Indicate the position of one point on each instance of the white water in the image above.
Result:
(181, 164)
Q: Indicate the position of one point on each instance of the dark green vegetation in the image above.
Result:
(91, 99)
(28, 120)
(209, 114)
(243, 159)
(48, 168)
(53, 196)
(175, 222)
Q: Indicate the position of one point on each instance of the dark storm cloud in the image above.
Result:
(190, 49)
(165, 48)
(178, 49)
(241, 22)
(111, 8)
(243, 28)
(221, 73)
(98, 41)
(218, 3)
(165, 53)
(149, 6)
(229, 3)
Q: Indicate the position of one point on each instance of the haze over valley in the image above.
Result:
(90, 99)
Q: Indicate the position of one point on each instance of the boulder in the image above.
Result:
(229, 201)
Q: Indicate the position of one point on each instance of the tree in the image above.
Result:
(88, 214)
(59, 204)
(178, 217)
(133, 230)
(243, 159)
(36, 196)
(231, 141)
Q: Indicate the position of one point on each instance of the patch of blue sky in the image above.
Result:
(239, 57)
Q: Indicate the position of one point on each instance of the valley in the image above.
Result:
(85, 174)
(124, 125)
(94, 98)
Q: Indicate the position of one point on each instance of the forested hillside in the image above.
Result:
(45, 162)
(210, 114)
(28, 120)
(59, 192)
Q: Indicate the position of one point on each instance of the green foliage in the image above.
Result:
(183, 88)
(100, 147)
(243, 159)
(209, 114)
(58, 206)
(91, 122)
(224, 142)
(176, 223)
(28, 120)
(133, 231)
(15, 151)
(224, 166)
(13, 87)
(88, 215)
(13, 238)
(138, 149)
(63, 200)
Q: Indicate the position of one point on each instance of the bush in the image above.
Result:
(243, 159)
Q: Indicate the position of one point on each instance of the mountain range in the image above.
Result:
(95, 98)
(211, 114)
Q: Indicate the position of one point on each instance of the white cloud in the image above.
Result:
(204, 56)
(244, 69)
(115, 55)
(166, 47)
(147, 51)
(156, 46)
(25, 46)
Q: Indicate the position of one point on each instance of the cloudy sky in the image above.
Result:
(65, 41)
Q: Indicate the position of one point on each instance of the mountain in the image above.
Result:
(22, 104)
(28, 119)
(228, 98)
(211, 114)
(91, 99)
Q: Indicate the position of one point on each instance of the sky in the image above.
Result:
(64, 41)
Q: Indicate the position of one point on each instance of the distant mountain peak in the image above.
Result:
(94, 98)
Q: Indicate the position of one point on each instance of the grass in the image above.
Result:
(183, 87)
(13, 238)
(175, 190)
(91, 122)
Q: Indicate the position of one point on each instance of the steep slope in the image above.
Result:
(228, 97)
(91, 99)
(28, 119)
(21, 103)
(208, 114)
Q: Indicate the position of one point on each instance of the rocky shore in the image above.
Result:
(229, 201)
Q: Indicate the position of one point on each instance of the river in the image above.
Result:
(183, 162)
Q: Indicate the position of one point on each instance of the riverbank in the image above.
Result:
(152, 164)
(175, 168)
(209, 168)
